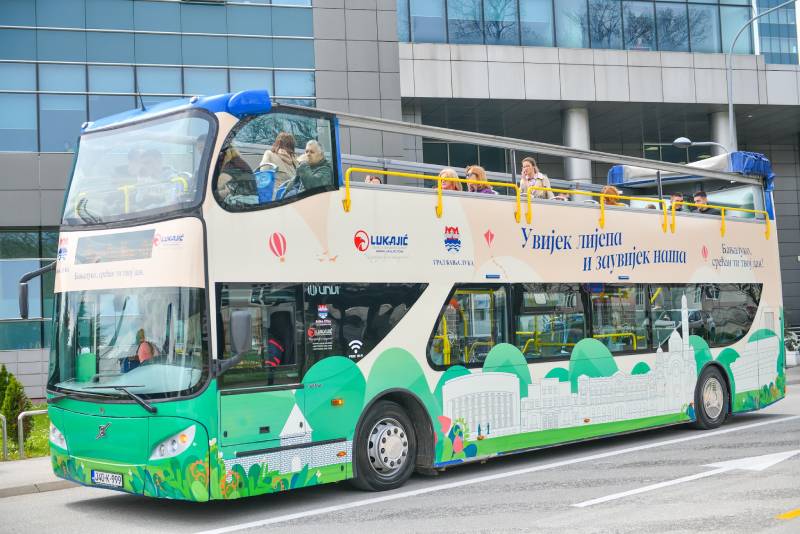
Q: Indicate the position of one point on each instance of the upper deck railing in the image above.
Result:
(601, 203)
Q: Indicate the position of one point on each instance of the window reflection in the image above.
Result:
(606, 25)
(704, 28)
(427, 21)
(639, 26)
(672, 27)
(572, 24)
(536, 22)
(500, 17)
(464, 24)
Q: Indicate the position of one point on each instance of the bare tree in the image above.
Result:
(501, 20)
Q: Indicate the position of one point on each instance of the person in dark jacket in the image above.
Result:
(314, 172)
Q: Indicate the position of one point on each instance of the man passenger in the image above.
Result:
(701, 198)
(677, 197)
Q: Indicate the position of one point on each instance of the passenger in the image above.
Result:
(701, 197)
(532, 177)
(233, 194)
(312, 173)
(133, 168)
(677, 197)
(650, 207)
(476, 172)
(448, 185)
(562, 197)
(145, 350)
(612, 201)
(372, 179)
(282, 155)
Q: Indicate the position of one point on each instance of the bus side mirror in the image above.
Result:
(23, 300)
(241, 332)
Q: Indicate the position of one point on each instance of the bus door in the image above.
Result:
(258, 408)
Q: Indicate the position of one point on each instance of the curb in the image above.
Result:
(36, 488)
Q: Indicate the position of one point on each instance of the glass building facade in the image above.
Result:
(777, 33)
(63, 62)
(676, 25)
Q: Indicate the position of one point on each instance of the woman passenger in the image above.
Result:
(448, 185)
(611, 201)
(476, 172)
(282, 155)
(531, 176)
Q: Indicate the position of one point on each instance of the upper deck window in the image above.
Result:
(146, 169)
(275, 157)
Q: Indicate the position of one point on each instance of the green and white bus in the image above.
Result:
(238, 313)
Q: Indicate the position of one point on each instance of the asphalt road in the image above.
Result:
(532, 492)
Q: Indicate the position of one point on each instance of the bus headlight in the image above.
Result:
(174, 445)
(57, 438)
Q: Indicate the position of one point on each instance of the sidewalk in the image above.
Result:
(21, 477)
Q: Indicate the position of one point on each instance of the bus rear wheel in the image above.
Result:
(710, 399)
(386, 448)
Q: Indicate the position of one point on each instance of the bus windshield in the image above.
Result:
(142, 170)
(149, 340)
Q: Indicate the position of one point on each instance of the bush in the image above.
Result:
(4, 374)
(15, 402)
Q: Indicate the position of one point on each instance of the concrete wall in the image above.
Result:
(32, 188)
(357, 68)
(534, 73)
(30, 368)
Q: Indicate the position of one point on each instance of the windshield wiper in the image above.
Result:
(89, 218)
(124, 389)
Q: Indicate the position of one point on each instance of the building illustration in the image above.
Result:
(756, 367)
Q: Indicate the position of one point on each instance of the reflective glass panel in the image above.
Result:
(464, 22)
(427, 21)
(672, 27)
(62, 77)
(157, 16)
(18, 123)
(60, 45)
(403, 32)
(109, 14)
(19, 76)
(249, 20)
(294, 83)
(205, 50)
(639, 24)
(17, 44)
(605, 23)
(198, 18)
(292, 22)
(619, 316)
(536, 18)
(293, 53)
(61, 13)
(500, 22)
(704, 28)
(60, 119)
(242, 80)
(158, 49)
(572, 24)
(164, 80)
(18, 13)
(21, 335)
(549, 319)
(110, 47)
(205, 81)
(732, 19)
(105, 105)
(249, 52)
(111, 79)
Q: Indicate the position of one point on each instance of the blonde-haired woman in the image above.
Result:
(611, 201)
(476, 172)
(531, 176)
(450, 185)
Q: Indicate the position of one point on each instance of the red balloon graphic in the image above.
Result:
(277, 244)
(705, 253)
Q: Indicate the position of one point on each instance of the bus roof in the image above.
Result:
(237, 104)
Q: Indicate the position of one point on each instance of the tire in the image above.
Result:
(381, 468)
(711, 399)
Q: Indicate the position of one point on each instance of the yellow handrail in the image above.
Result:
(182, 180)
(346, 202)
(601, 196)
(722, 214)
(631, 335)
(125, 189)
(475, 345)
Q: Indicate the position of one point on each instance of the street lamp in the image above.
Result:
(732, 141)
(684, 143)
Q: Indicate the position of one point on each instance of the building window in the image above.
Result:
(572, 24)
(464, 22)
(731, 19)
(428, 21)
(605, 23)
(60, 119)
(672, 27)
(18, 123)
(639, 23)
(704, 28)
(536, 22)
(501, 22)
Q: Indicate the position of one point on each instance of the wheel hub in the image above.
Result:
(713, 400)
(387, 447)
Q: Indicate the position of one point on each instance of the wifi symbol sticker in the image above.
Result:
(355, 347)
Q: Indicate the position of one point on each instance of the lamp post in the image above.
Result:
(685, 142)
(732, 141)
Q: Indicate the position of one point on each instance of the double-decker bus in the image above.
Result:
(237, 313)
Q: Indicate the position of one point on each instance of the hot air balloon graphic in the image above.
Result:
(277, 244)
(704, 251)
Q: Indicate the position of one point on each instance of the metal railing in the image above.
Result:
(21, 429)
(664, 208)
(5, 436)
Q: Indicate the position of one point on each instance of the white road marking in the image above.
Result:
(754, 463)
(486, 478)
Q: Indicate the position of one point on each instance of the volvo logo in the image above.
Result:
(101, 430)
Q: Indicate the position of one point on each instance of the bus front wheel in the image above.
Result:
(710, 399)
(386, 448)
